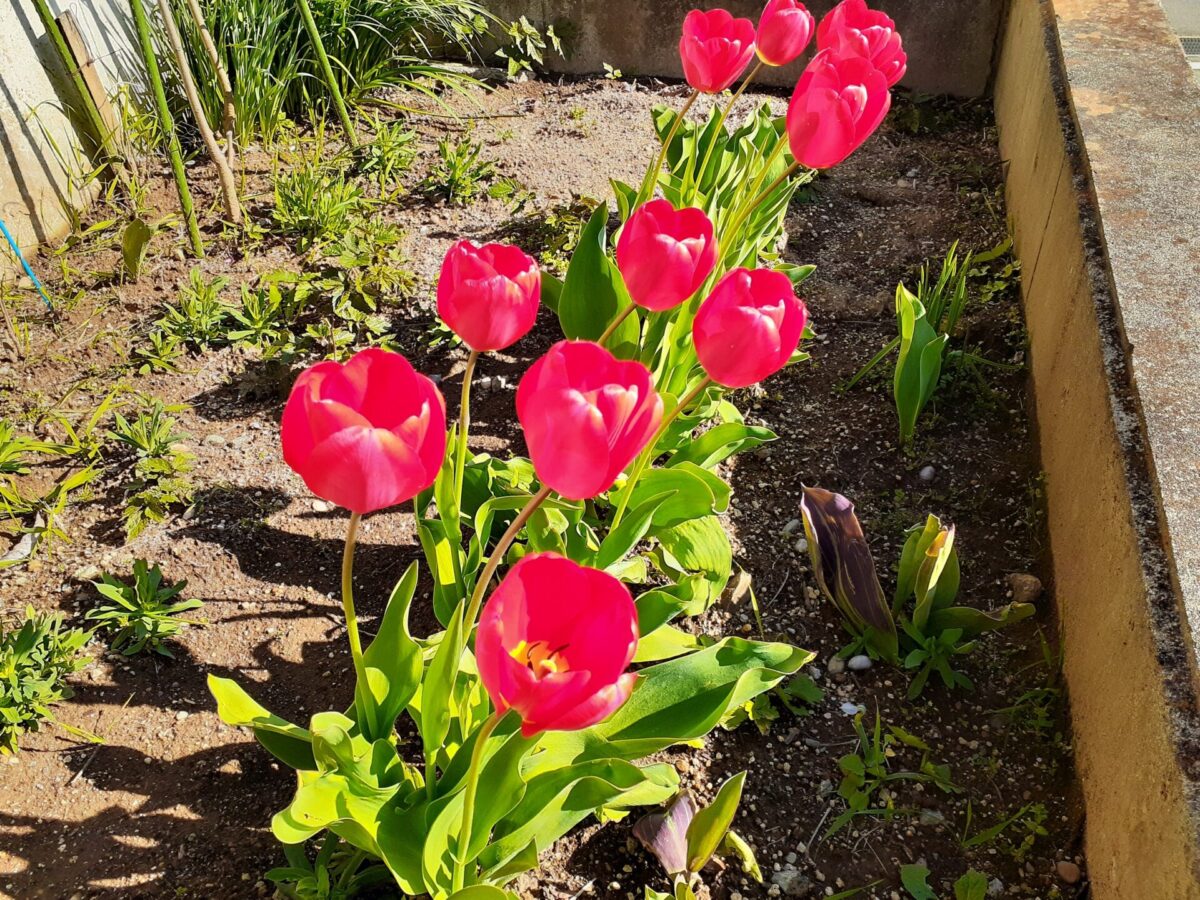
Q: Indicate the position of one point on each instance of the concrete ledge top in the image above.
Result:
(1137, 110)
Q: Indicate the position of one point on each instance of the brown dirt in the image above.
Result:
(175, 803)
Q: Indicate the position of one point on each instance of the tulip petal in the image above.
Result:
(364, 470)
(590, 711)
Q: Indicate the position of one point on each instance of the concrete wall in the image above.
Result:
(35, 99)
(950, 43)
(1098, 119)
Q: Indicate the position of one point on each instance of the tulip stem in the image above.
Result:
(721, 122)
(472, 789)
(651, 178)
(356, 652)
(497, 555)
(615, 324)
(647, 455)
(464, 425)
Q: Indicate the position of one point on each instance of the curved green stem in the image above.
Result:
(721, 122)
(615, 324)
(647, 189)
(464, 425)
(489, 568)
(472, 790)
(356, 652)
(647, 455)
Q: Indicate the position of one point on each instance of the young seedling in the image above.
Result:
(142, 614)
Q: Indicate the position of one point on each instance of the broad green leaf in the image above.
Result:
(551, 291)
(621, 540)
(971, 886)
(657, 607)
(735, 845)
(698, 545)
(710, 824)
(393, 662)
(290, 744)
(438, 687)
(593, 294)
(697, 492)
(483, 892)
(135, 242)
(721, 442)
(915, 879)
(665, 642)
(973, 622)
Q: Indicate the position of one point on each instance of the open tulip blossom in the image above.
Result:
(784, 31)
(555, 639)
(852, 28)
(488, 294)
(665, 254)
(715, 49)
(586, 415)
(365, 435)
(749, 327)
(839, 102)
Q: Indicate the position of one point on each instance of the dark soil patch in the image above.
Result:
(176, 804)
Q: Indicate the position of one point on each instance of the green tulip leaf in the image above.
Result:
(290, 744)
(719, 443)
(665, 642)
(393, 663)
(621, 540)
(438, 687)
(697, 545)
(593, 293)
(710, 824)
(135, 242)
(697, 492)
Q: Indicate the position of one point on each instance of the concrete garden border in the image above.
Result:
(1099, 121)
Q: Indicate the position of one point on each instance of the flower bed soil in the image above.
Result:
(176, 804)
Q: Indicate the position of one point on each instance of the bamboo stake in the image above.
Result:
(233, 207)
(91, 112)
(327, 70)
(229, 116)
(146, 44)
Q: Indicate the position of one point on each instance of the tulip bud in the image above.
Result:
(367, 434)
(554, 641)
(488, 295)
(715, 49)
(784, 31)
(838, 104)
(851, 28)
(749, 327)
(586, 415)
(665, 254)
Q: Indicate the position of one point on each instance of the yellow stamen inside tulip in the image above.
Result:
(540, 659)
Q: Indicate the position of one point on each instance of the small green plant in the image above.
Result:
(459, 175)
(527, 46)
(199, 319)
(972, 885)
(16, 450)
(389, 155)
(1037, 708)
(160, 473)
(161, 353)
(685, 837)
(142, 614)
(867, 770)
(335, 873)
(35, 661)
(1017, 834)
(611, 73)
(797, 695)
(316, 203)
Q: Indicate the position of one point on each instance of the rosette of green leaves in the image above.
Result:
(845, 570)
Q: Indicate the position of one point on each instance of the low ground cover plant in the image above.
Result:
(143, 614)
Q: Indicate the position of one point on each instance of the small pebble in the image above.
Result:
(850, 709)
(836, 665)
(995, 888)
(859, 663)
(322, 506)
(927, 473)
(1025, 588)
(1068, 871)
(792, 526)
(802, 545)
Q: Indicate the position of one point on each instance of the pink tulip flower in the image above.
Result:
(554, 641)
(665, 254)
(784, 31)
(748, 327)
(853, 28)
(586, 415)
(838, 104)
(489, 295)
(715, 49)
(367, 434)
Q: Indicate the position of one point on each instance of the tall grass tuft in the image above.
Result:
(372, 44)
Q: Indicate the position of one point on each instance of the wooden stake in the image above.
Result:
(146, 45)
(233, 207)
(327, 70)
(229, 118)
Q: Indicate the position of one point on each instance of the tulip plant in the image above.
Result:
(551, 689)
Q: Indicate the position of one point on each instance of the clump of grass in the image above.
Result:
(460, 174)
(143, 614)
(316, 203)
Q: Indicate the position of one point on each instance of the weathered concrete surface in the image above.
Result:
(37, 138)
(950, 43)
(1099, 121)
(1184, 16)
